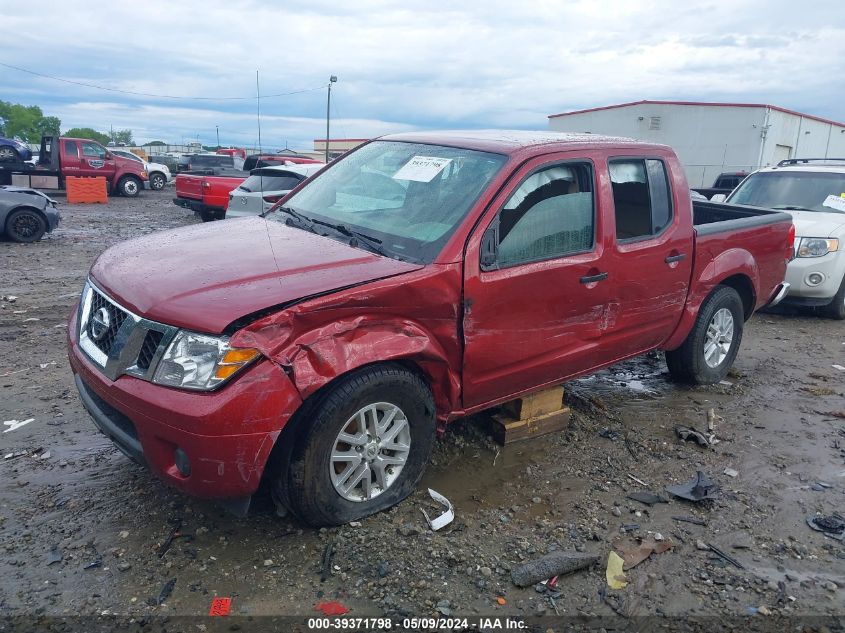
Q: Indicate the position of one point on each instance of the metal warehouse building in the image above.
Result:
(714, 137)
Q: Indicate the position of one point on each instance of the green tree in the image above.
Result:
(155, 144)
(123, 136)
(87, 132)
(27, 122)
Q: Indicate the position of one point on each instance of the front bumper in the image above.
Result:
(226, 436)
(798, 272)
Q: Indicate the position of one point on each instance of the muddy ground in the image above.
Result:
(81, 525)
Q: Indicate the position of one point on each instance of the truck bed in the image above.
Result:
(717, 217)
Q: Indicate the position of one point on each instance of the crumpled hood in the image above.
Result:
(204, 277)
(817, 223)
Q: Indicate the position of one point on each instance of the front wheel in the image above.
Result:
(129, 186)
(25, 225)
(157, 181)
(8, 154)
(836, 308)
(364, 449)
(711, 347)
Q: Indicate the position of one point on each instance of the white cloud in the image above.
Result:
(420, 64)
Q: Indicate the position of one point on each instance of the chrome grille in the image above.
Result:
(117, 340)
(114, 318)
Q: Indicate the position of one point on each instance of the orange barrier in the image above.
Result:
(83, 190)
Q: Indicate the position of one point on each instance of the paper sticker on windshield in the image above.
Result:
(835, 202)
(422, 168)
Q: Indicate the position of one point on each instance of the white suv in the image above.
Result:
(159, 175)
(812, 190)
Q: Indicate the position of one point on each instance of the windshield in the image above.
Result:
(797, 190)
(410, 197)
(270, 182)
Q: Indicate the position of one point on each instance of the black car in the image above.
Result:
(26, 214)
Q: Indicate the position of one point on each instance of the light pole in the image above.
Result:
(332, 80)
(218, 136)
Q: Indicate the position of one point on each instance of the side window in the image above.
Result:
(640, 197)
(550, 215)
(71, 148)
(92, 150)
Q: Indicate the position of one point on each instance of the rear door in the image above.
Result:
(651, 257)
(535, 303)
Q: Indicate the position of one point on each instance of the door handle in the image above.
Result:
(593, 278)
(675, 258)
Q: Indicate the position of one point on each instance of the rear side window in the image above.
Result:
(640, 197)
(271, 182)
(550, 215)
(71, 148)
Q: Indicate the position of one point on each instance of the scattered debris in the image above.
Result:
(696, 489)
(727, 557)
(639, 481)
(689, 434)
(819, 391)
(648, 498)
(54, 555)
(730, 472)
(629, 527)
(16, 424)
(820, 486)
(726, 383)
(501, 601)
(833, 414)
(165, 592)
(692, 520)
(556, 563)
(839, 367)
(97, 562)
(832, 526)
(444, 519)
(635, 553)
(610, 434)
(175, 533)
(9, 298)
(220, 606)
(614, 573)
(326, 568)
(331, 608)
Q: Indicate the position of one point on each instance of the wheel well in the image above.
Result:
(745, 290)
(26, 208)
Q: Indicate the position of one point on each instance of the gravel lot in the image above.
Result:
(81, 525)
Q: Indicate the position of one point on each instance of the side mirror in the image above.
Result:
(108, 156)
(490, 246)
(719, 197)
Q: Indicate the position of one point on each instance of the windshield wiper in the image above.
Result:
(789, 207)
(306, 223)
(372, 243)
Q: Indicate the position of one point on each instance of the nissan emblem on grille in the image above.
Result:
(100, 323)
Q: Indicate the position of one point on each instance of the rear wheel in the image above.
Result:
(711, 347)
(836, 308)
(25, 225)
(129, 186)
(157, 181)
(364, 449)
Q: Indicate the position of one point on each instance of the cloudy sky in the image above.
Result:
(407, 65)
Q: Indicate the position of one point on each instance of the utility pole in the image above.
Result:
(332, 80)
(218, 136)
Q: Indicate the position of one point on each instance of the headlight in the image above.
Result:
(202, 362)
(817, 246)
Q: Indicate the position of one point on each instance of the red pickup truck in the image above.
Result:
(419, 278)
(206, 191)
(61, 157)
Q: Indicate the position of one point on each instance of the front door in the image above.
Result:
(536, 286)
(95, 160)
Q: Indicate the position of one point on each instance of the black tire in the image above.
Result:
(836, 308)
(129, 186)
(9, 154)
(157, 181)
(306, 483)
(25, 225)
(688, 363)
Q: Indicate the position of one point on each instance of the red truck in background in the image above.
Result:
(61, 157)
(206, 191)
(419, 278)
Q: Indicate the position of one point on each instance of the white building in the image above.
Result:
(714, 137)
